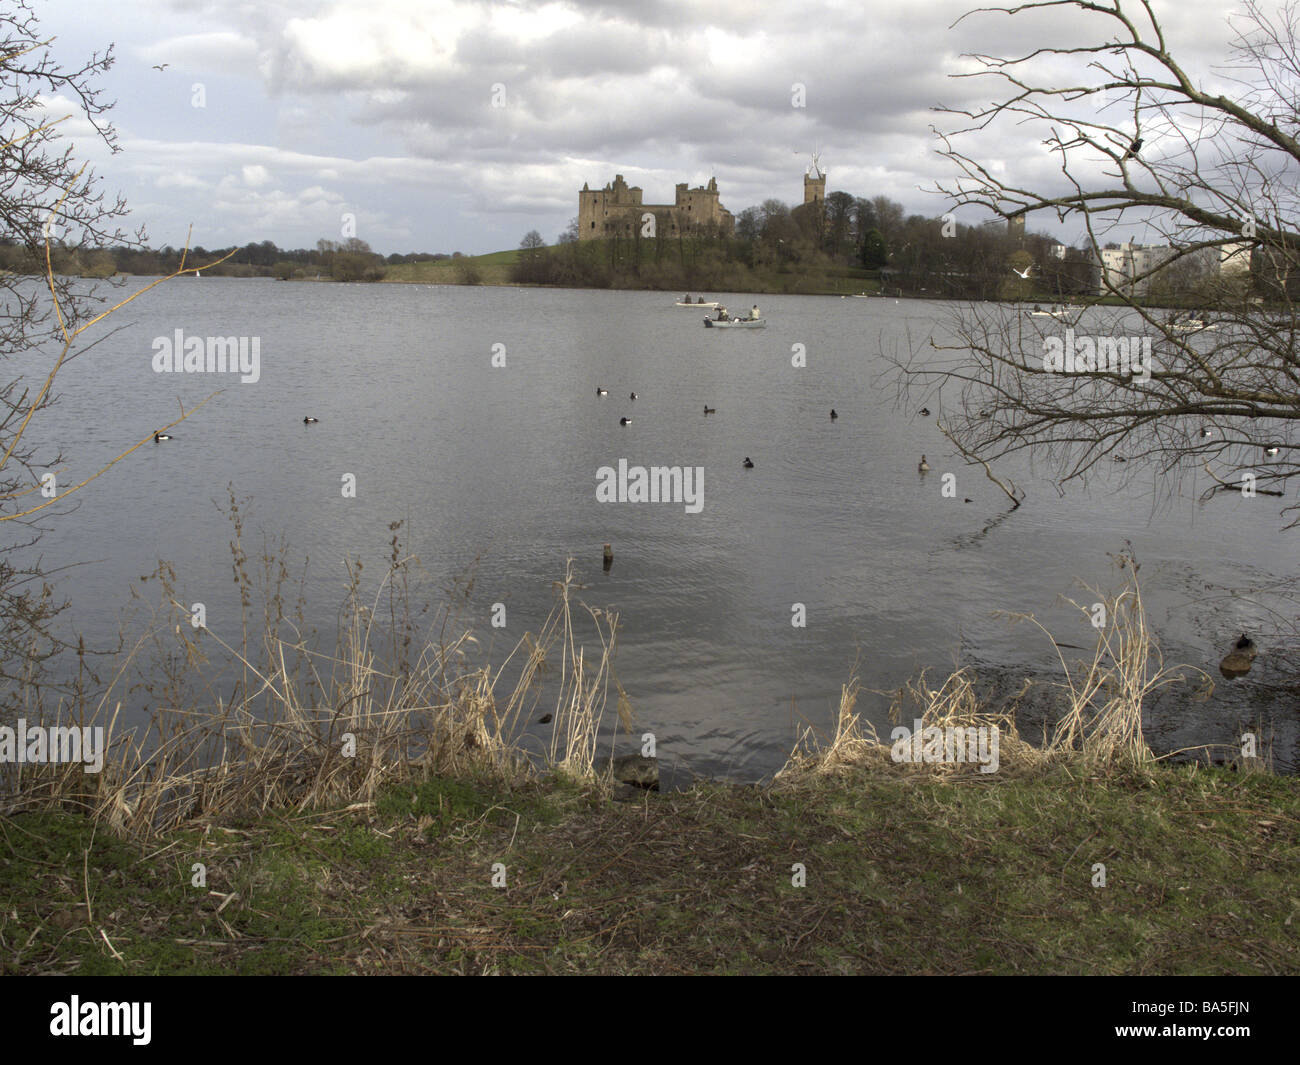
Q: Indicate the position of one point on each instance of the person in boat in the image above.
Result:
(722, 315)
(686, 298)
(753, 313)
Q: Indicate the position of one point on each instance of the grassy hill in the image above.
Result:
(490, 269)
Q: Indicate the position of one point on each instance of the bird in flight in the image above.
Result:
(161, 66)
(1025, 275)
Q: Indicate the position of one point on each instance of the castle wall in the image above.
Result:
(617, 209)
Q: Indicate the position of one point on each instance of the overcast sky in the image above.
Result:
(383, 109)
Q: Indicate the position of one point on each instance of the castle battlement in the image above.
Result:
(617, 210)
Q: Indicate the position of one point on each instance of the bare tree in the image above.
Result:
(1140, 145)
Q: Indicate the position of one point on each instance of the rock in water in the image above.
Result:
(638, 770)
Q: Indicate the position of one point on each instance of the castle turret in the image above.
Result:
(814, 186)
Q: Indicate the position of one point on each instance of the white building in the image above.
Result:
(1234, 258)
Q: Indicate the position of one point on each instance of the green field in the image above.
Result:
(491, 269)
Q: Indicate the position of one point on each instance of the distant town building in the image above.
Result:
(617, 210)
(1234, 259)
(1129, 267)
(1016, 227)
(1058, 251)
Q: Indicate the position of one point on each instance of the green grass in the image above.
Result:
(493, 269)
(905, 874)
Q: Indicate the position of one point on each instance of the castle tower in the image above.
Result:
(814, 186)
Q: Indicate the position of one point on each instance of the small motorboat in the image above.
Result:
(713, 303)
(736, 323)
(1194, 325)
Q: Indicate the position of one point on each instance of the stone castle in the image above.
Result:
(617, 210)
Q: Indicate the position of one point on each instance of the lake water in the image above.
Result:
(502, 463)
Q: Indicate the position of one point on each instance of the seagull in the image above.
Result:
(1023, 276)
(161, 66)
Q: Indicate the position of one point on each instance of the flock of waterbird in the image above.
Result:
(748, 463)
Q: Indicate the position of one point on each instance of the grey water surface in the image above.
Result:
(502, 463)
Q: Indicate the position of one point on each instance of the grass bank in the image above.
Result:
(905, 873)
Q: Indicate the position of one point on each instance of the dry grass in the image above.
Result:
(1099, 724)
(307, 729)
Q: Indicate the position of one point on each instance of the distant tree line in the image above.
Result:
(347, 260)
(845, 243)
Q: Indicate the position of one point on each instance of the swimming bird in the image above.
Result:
(833, 414)
(710, 410)
(159, 437)
(1207, 431)
(625, 421)
(1120, 458)
(923, 467)
(924, 412)
(309, 420)
(602, 391)
(1237, 662)
(633, 396)
(747, 463)
(1273, 449)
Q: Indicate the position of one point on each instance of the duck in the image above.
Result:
(309, 420)
(833, 414)
(625, 421)
(710, 410)
(602, 391)
(1206, 431)
(1120, 458)
(159, 437)
(924, 412)
(632, 396)
(1237, 662)
(1272, 449)
(923, 466)
(748, 464)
